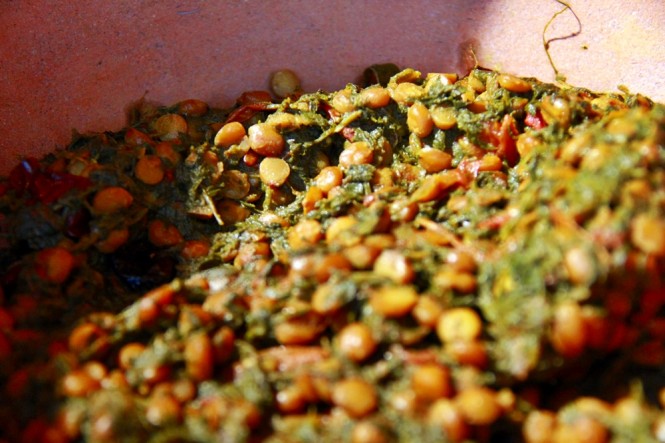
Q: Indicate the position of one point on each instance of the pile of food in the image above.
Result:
(422, 259)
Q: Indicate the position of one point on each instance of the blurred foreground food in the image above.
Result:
(428, 259)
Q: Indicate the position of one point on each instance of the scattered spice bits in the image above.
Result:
(417, 260)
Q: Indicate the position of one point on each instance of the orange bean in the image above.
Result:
(199, 356)
(170, 126)
(419, 120)
(434, 160)
(223, 342)
(54, 265)
(427, 311)
(111, 200)
(355, 396)
(459, 324)
(149, 169)
(513, 84)
(374, 97)
(361, 256)
(193, 249)
(304, 234)
(478, 405)
(284, 83)
(162, 234)
(648, 234)
(129, 353)
(394, 265)
(368, 432)
(356, 342)
(342, 101)
(538, 427)
(445, 413)
(78, 384)
(443, 117)
(431, 381)
(165, 151)
(193, 107)
(134, 137)
(468, 352)
(265, 140)
(328, 178)
(113, 241)
(394, 301)
(312, 196)
(230, 134)
(83, 336)
(325, 300)
(162, 410)
(274, 171)
(568, 329)
(338, 227)
(300, 330)
(357, 153)
(406, 93)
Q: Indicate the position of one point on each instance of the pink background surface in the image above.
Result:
(66, 65)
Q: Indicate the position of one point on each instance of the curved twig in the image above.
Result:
(546, 42)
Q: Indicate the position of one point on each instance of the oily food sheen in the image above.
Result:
(421, 259)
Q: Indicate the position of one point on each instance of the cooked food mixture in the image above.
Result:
(422, 259)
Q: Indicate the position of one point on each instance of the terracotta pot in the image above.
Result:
(78, 65)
